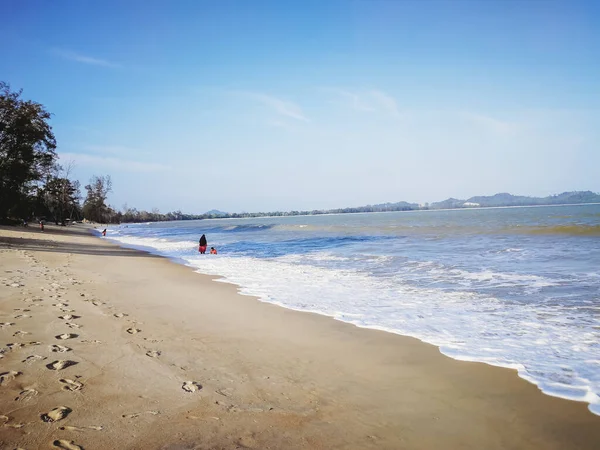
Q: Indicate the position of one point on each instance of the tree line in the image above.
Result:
(33, 185)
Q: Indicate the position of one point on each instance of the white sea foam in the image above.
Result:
(536, 340)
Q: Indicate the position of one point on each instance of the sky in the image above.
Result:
(275, 105)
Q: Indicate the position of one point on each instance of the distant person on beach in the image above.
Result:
(104, 232)
(41, 225)
(213, 251)
(202, 245)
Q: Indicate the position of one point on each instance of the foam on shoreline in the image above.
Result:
(465, 326)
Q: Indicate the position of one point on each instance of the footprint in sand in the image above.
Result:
(119, 315)
(225, 392)
(25, 395)
(61, 364)
(134, 415)
(20, 333)
(60, 305)
(91, 427)
(6, 324)
(33, 358)
(15, 345)
(133, 330)
(66, 336)
(73, 325)
(97, 303)
(70, 385)
(22, 316)
(67, 445)
(7, 377)
(153, 353)
(5, 420)
(59, 348)
(94, 341)
(191, 386)
(69, 317)
(56, 414)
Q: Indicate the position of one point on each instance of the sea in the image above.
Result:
(511, 287)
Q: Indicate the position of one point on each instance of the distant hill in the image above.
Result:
(447, 204)
(398, 206)
(505, 199)
(215, 212)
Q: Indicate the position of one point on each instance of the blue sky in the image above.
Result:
(264, 105)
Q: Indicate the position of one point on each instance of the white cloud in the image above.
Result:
(281, 107)
(110, 162)
(490, 123)
(351, 99)
(385, 102)
(112, 149)
(279, 124)
(373, 101)
(84, 59)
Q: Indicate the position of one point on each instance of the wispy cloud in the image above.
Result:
(352, 99)
(371, 101)
(84, 59)
(490, 123)
(385, 102)
(112, 149)
(281, 107)
(280, 124)
(113, 163)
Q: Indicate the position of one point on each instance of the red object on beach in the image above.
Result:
(202, 249)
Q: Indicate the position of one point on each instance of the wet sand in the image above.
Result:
(111, 348)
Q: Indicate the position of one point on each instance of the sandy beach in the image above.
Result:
(111, 348)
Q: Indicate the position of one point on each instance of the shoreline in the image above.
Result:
(295, 380)
(517, 367)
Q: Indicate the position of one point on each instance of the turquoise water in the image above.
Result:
(513, 287)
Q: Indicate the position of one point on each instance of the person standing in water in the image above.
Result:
(202, 245)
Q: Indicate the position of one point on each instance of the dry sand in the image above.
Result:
(158, 356)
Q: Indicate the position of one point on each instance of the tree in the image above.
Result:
(61, 195)
(94, 207)
(27, 151)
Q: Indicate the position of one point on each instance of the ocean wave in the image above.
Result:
(483, 291)
(446, 229)
(536, 341)
(569, 230)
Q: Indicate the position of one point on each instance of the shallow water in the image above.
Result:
(513, 287)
